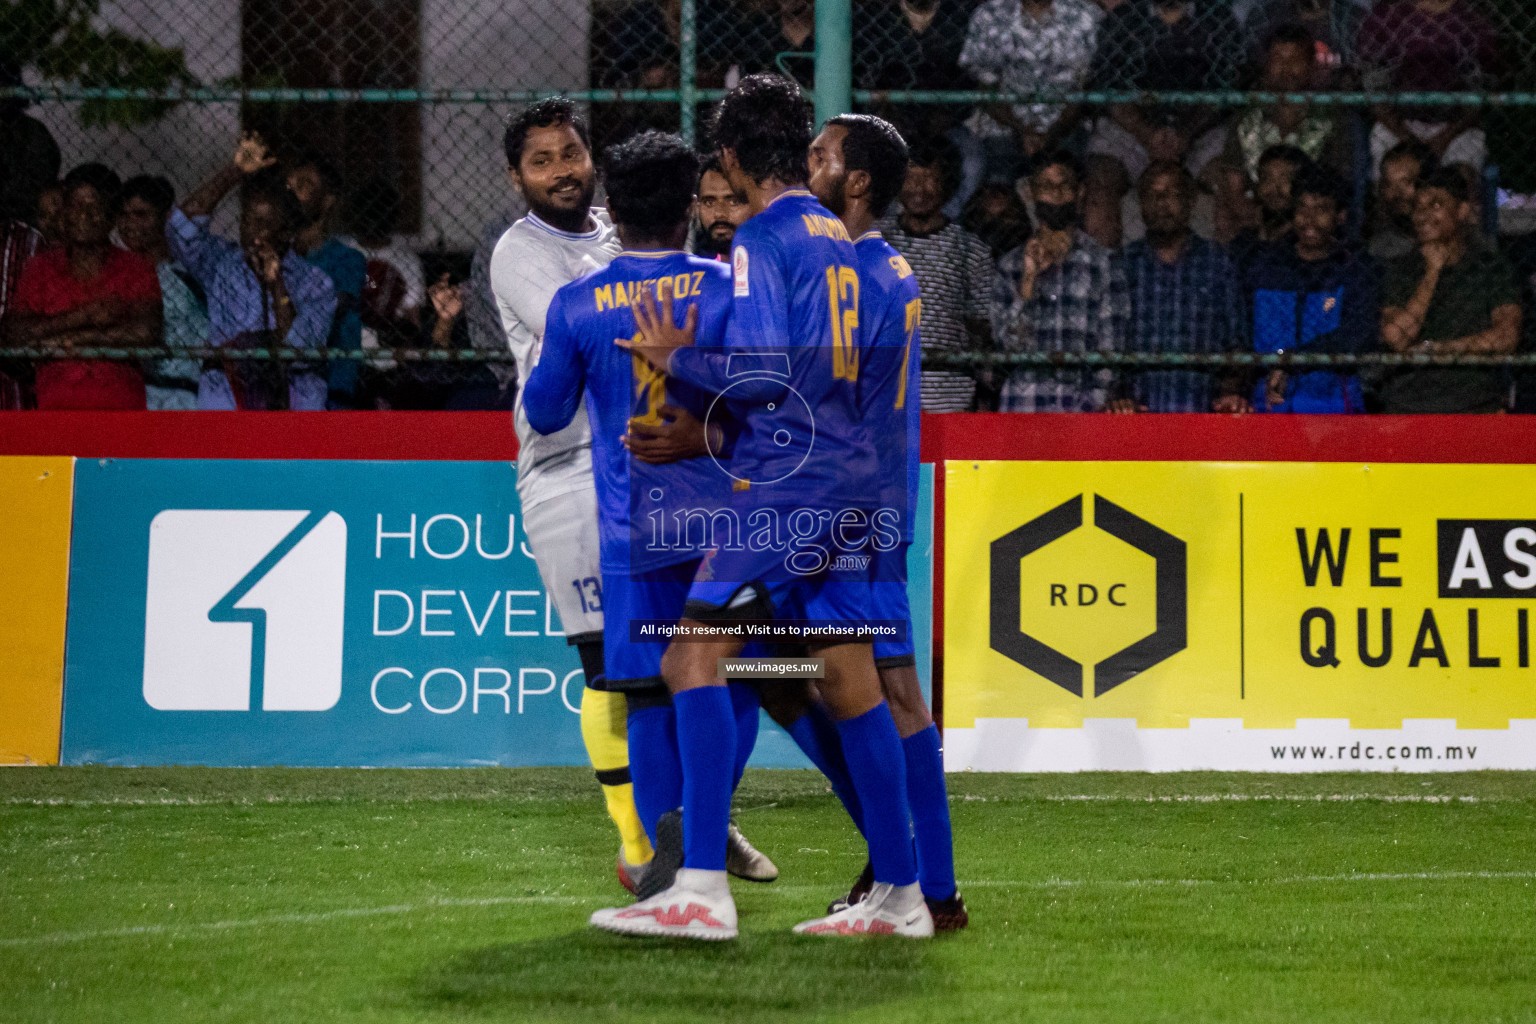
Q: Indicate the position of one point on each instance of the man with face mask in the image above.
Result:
(720, 211)
(1059, 292)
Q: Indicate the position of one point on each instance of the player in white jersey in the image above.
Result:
(562, 238)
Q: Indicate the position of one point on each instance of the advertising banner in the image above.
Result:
(311, 613)
(1239, 616)
(34, 565)
(320, 613)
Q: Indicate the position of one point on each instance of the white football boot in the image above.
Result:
(887, 910)
(746, 861)
(698, 906)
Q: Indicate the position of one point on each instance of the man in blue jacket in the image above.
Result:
(1309, 292)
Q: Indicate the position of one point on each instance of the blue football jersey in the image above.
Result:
(890, 330)
(579, 356)
(790, 367)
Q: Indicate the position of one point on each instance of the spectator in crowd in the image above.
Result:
(1289, 63)
(720, 211)
(1062, 291)
(1311, 293)
(953, 268)
(788, 26)
(436, 385)
(997, 216)
(87, 292)
(260, 292)
(1163, 45)
(914, 44)
(48, 214)
(29, 156)
(1331, 25)
(1393, 236)
(1023, 46)
(1428, 46)
(1271, 207)
(395, 286)
(1451, 297)
(317, 185)
(1184, 298)
(1522, 255)
(640, 42)
(147, 204)
(18, 241)
(29, 164)
(483, 319)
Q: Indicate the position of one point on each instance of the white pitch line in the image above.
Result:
(261, 801)
(1180, 798)
(259, 922)
(58, 938)
(1215, 798)
(1144, 883)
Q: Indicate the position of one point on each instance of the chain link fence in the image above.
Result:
(407, 97)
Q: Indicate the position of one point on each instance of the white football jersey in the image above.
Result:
(531, 262)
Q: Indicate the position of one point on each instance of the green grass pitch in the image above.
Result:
(174, 895)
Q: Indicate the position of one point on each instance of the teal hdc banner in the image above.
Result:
(328, 613)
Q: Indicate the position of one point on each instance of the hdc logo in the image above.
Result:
(244, 609)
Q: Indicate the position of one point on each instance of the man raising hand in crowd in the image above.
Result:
(259, 291)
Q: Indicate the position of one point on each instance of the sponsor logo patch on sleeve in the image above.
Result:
(739, 270)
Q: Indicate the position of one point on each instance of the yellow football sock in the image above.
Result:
(605, 731)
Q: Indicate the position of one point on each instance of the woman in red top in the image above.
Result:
(87, 292)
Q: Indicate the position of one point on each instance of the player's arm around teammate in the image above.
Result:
(796, 293)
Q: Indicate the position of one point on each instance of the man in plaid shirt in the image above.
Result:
(1060, 292)
(1184, 298)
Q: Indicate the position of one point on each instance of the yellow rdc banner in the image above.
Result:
(1238, 603)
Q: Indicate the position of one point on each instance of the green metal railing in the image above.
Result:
(933, 360)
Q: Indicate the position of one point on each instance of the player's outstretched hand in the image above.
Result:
(657, 335)
(678, 436)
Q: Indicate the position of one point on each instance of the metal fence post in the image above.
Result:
(688, 86)
(834, 58)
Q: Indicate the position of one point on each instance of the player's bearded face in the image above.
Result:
(836, 197)
(567, 194)
(556, 176)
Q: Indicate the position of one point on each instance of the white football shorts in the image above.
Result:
(562, 533)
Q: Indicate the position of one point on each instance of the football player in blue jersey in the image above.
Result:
(805, 486)
(857, 165)
(650, 180)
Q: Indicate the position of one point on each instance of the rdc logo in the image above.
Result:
(244, 610)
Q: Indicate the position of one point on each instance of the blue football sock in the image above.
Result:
(706, 743)
(816, 736)
(654, 766)
(875, 761)
(744, 706)
(930, 813)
